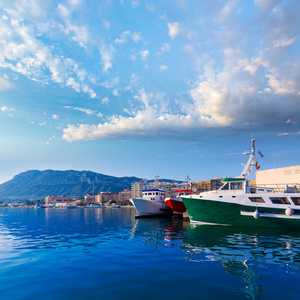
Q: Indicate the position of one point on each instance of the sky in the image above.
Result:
(148, 88)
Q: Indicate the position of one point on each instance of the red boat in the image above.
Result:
(175, 203)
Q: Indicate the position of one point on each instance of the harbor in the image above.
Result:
(108, 254)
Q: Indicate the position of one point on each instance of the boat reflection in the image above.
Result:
(245, 253)
(160, 231)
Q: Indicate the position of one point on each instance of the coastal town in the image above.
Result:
(106, 199)
(284, 176)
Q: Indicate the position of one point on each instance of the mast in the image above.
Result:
(251, 161)
(189, 182)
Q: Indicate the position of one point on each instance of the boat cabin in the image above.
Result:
(179, 193)
(154, 195)
(241, 184)
(234, 184)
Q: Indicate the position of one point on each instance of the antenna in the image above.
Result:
(251, 161)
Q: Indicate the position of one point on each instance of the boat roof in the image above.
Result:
(153, 190)
(229, 179)
(181, 191)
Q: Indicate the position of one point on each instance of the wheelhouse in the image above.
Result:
(233, 184)
(154, 194)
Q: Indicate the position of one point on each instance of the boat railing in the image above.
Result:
(274, 188)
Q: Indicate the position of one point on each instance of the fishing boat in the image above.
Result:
(95, 205)
(175, 203)
(151, 204)
(237, 203)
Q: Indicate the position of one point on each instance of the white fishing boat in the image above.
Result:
(96, 206)
(151, 204)
(237, 203)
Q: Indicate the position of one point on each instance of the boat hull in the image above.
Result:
(176, 205)
(233, 214)
(145, 207)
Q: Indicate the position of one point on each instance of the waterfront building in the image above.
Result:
(124, 196)
(56, 199)
(90, 198)
(167, 186)
(208, 185)
(280, 179)
(136, 188)
(103, 197)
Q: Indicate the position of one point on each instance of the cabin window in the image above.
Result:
(296, 200)
(279, 200)
(257, 199)
(236, 185)
(220, 196)
(156, 193)
(225, 187)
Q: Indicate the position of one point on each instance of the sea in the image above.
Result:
(105, 253)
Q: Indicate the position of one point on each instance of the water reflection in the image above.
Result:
(196, 254)
(250, 255)
(245, 253)
(62, 228)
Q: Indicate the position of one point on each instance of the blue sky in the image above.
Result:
(145, 88)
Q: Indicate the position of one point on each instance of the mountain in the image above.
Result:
(34, 184)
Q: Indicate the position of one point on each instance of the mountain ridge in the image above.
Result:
(36, 184)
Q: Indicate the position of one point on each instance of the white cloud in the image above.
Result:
(210, 104)
(143, 124)
(163, 68)
(75, 2)
(287, 133)
(166, 47)
(173, 29)
(266, 5)
(285, 42)
(55, 117)
(5, 108)
(110, 84)
(106, 53)
(144, 54)
(284, 86)
(71, 82)
(105, 100)
(87, 111)
(24, 52)
(253, 64)
(135, 36)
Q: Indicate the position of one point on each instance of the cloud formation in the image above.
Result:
(244, 88)
(24, 52)
(173, 29)
(215, 68)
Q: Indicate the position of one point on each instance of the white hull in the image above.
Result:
(145, 207)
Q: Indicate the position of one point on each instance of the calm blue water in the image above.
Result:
(107, 254)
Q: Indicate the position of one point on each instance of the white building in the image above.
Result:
(283, 179)
(55, 199)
